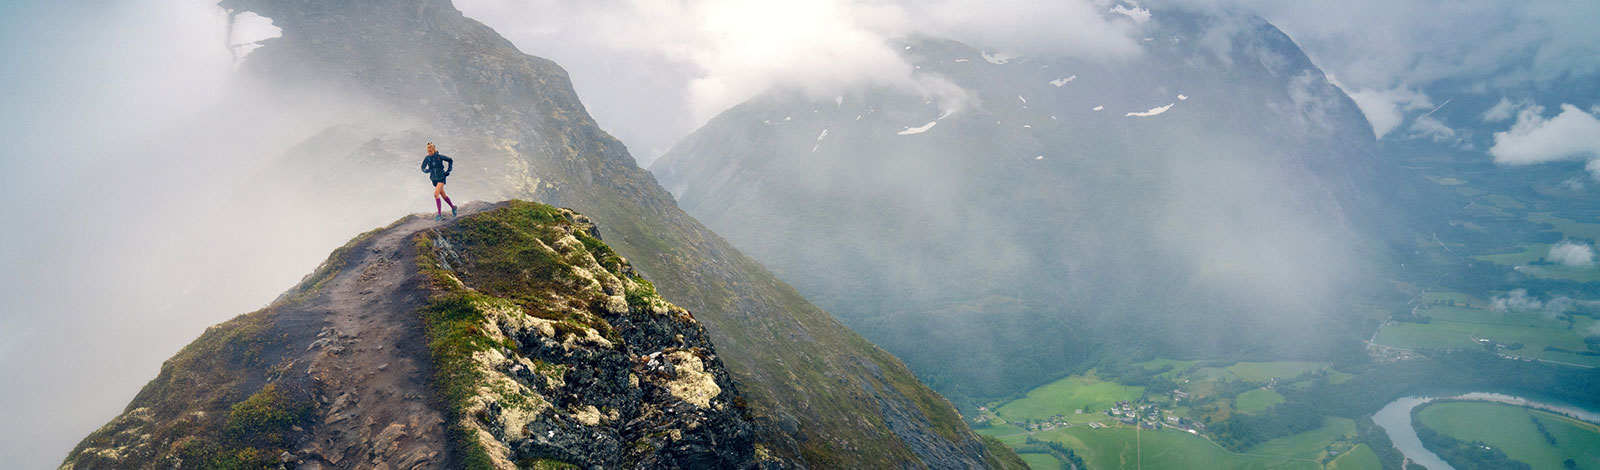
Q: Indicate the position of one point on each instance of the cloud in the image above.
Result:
(1519, 301)
(132, 137)
(1571, 135)
(1502, 111)
(1431, 128)
(1385, 109)
(652, 71)
(1573, 254)
(1467, 46)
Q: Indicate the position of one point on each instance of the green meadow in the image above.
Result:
(1256, 400)
(1263, 371)
(1313, 444)
(1459, 327)
(1127, 448)
(1512, 429)
(1359, 458)
(1064, 396)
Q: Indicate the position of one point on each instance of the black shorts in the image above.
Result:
(436, 183)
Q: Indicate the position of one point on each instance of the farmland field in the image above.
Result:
(1256, 400)
(1041, 461)
(1512, 429)
(1359, 458)
(1459, 327)
(1262, 371)
(1122, 447)
(1310, 444)
(1064, 396)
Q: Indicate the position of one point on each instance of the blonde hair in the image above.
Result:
(430, 148)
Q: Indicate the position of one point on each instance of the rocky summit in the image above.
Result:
(512, 337)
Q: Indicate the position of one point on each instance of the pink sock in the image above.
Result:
(437, 206)
(447, 201)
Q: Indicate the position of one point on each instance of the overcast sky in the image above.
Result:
(101, 98)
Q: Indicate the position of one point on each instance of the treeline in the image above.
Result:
(1069, 459)
(1368, 432)
(1377, 385)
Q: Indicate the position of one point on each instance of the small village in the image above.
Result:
(1149, 416)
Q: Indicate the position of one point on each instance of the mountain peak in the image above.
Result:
(535, 343)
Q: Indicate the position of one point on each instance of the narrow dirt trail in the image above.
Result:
(365, 348)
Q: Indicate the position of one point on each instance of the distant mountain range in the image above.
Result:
(1215, 196)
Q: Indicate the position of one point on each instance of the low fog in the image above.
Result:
(152, 198)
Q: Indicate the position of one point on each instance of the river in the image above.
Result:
(1395, 419)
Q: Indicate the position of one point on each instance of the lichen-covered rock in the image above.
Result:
(572, 356)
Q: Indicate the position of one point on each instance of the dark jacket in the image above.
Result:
(434, 166)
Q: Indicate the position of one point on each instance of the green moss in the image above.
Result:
(640, 293)
(453, 329)
(601, 252)
(545, 464)
(266, 417)
(197, 453)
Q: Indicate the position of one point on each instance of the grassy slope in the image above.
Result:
(1511, 429)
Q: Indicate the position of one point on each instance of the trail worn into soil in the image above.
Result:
(366, 351)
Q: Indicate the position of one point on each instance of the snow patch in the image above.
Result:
(1152, 111)
(1098, 108)
(1063, 81)
(961, 60)
(997, 58)
(925, 127)
(918, 129)
(823, 135)
(248, 30)
(1182, 97)
(1138, 15)
(1041, 157)
(1024, 100)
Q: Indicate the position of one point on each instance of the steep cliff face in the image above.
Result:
(511, 338)
(517, 130)
(1214, 195)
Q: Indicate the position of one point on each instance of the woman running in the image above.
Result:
(434, 166)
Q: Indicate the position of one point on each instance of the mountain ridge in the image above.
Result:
(517, 130)
(494, 320)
